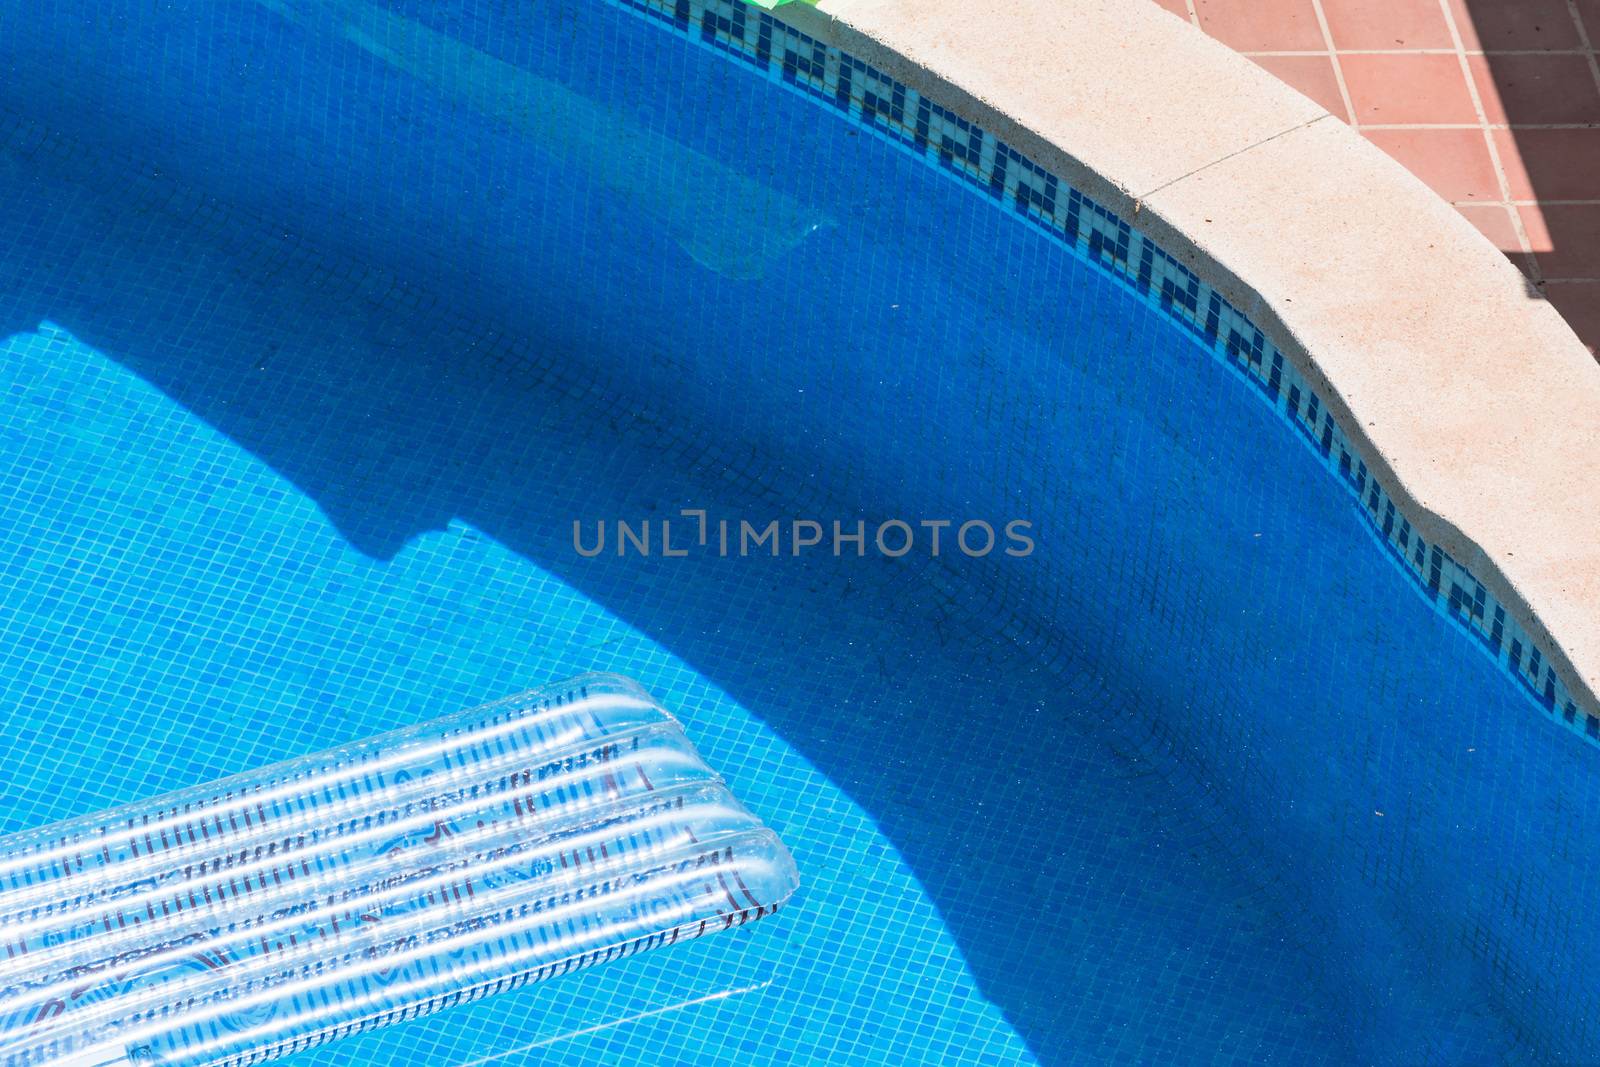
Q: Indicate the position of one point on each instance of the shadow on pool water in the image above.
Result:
(1084, 882)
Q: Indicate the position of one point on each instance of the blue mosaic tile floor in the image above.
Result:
(301, 391)
(178, 608)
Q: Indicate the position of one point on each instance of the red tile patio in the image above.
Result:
(1494, 103)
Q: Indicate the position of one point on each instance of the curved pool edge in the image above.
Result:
(1466, 394)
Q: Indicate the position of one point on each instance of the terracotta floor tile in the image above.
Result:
(1571, 233)
(1551, 164)
(1523, 262)
(1518, 83)
(1494, 222)
(1590, 10)
(1579, 304)
(1532, 216)
(1516, 24)
(1262, 25)
(1407, 89)
(1536, 88)
(1312, 75)
(1381, 24)
(1455, 163)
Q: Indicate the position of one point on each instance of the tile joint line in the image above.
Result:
(1496, 160)
(1338, 67)
(1138, 201)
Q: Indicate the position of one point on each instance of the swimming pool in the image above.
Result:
(324, 328)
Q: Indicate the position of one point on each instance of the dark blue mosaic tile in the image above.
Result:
(881, 105)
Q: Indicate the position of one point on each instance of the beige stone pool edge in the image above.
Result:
(1470, 398)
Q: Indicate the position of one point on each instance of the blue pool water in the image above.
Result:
(321, 321)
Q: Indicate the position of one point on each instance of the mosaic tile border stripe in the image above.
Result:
(906, 118)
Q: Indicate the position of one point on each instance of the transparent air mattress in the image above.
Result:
(249, 918)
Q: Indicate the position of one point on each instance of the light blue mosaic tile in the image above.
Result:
(313, 351)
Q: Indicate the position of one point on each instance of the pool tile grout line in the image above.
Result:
(972, 155)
